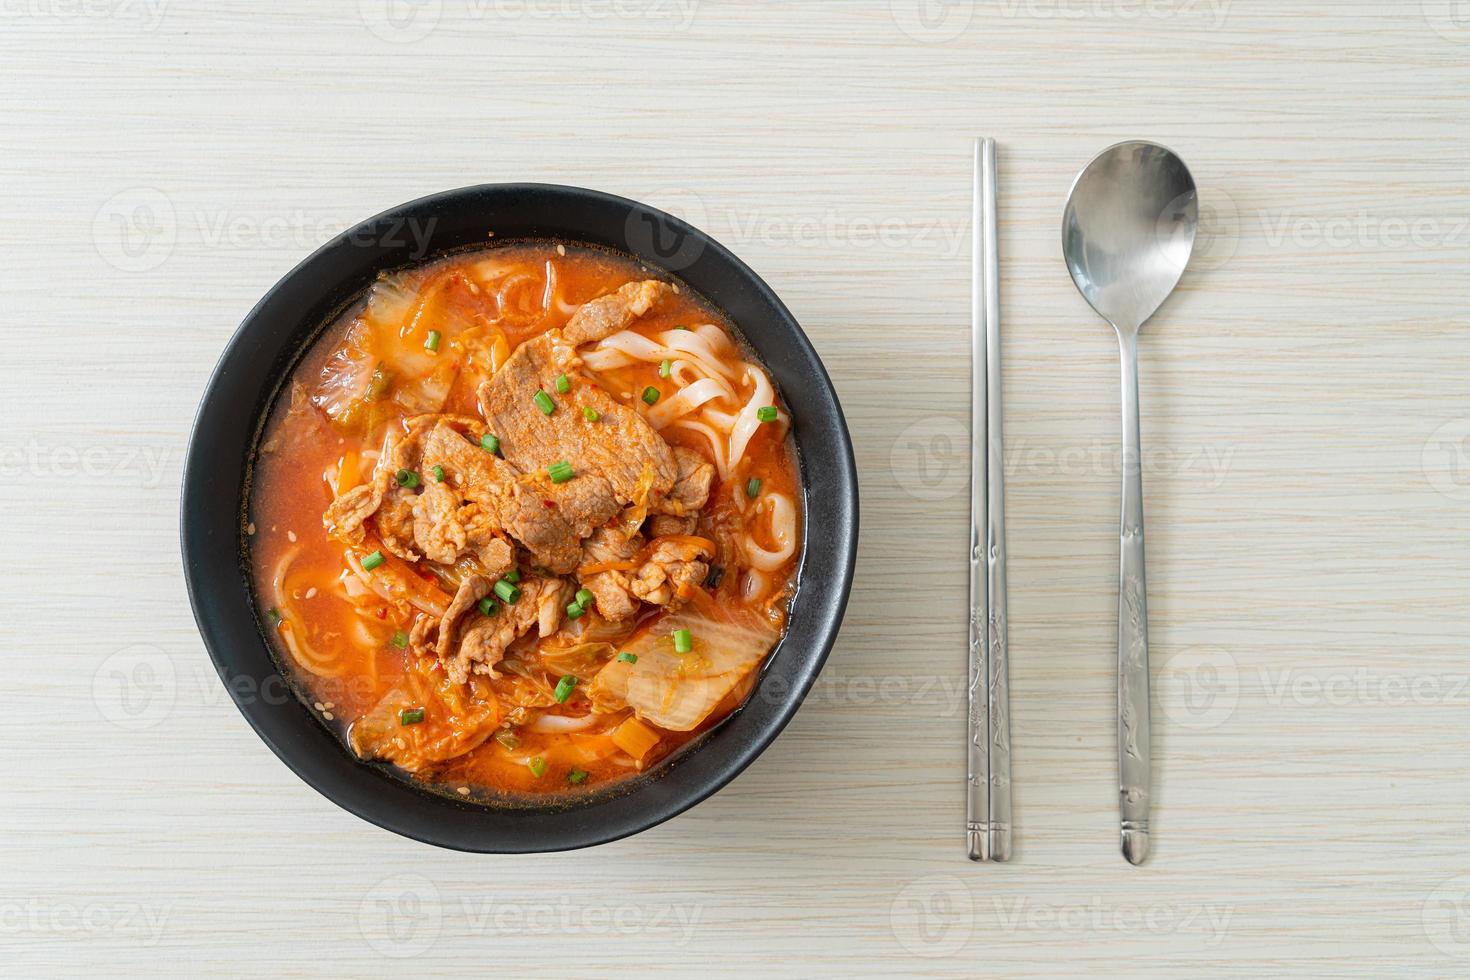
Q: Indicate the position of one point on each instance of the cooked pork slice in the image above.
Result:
(345, 516)
(436, 528)
(674, 567)
(421, 634)
(471, 590)
(484, 639)
(544, 531)
(481, 500)
(663, 525)
(583, 503)
(497, 556)
(440, 637)
(551, 603)
(463, 512)
(611, 588)
(618, 447)
(394, 521)
(393, 506)
(691, 486)
(608, 314)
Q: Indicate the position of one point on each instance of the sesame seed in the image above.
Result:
(319, 706)
(463, 791)
(291, 536)
(250, 528)
(327, 715)
(561, 249)
(310, 592)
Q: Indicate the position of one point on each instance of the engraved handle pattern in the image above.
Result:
(1134, 778)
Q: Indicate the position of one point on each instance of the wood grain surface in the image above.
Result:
(1306, 423)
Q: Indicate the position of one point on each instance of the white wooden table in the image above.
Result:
(1306, 407)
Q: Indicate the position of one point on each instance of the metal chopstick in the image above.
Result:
(988, 796)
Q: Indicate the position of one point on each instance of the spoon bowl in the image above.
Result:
(1128, 230)
(1127, 234)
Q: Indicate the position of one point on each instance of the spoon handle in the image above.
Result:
(1134, 782)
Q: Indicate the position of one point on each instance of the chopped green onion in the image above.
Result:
(489, 443)
(411, 716)
(508, 593)
(683, 641)
(560, 472)
(512, 576)
(564, 688)
(584, 597)
(543, 401)
(575, 611)
(537, 767)
(753, 487)
(438, 474)
(628, 658)
(650, 395)
(665, 368)
(488, 606)
(274, 615)
(508, 739)
(407, 478)
(400, 639)
(766, 413)
(577, 777)
(563, 384)
(590, 414)
(433, 342)
(372, 561)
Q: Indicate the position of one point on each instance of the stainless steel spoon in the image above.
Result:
(1127, 234)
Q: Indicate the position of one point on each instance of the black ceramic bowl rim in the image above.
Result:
(280, 328)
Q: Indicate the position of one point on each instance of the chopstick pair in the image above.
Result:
(988, 788)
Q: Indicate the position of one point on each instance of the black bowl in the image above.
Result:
(280, 329)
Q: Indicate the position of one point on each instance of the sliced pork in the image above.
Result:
(481, 644)
(673, 569)
(615, 444)
(607, 560)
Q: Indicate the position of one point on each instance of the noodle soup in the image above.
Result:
(525, 521)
